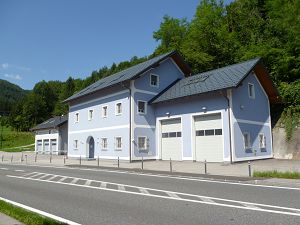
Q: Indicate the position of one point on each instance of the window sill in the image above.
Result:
(248, 150)
(104, 149)
(118, 149)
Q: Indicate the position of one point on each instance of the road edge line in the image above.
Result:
(43, 213)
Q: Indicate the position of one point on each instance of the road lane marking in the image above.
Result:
(3, 169)
(173, 195)
(144, 191)
(28, 174)
(43, 213)
(36, 175)
(207, 200)
(103, 185)
(121, 187)
(51, 178)
(74, 181)
(189, 178)
(20, 170)
(88, 183)
(46, 175)
(228, 202)
(61, 179)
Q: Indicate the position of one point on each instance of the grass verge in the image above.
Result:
(277, 174)
(12, 139)
(24, 216)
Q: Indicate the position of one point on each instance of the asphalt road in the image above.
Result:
(120, 197)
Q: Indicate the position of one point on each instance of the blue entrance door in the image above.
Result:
(91, 148)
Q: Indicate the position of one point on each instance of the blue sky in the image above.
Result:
(52, 40)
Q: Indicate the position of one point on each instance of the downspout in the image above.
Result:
(229, 121)
(124, 86)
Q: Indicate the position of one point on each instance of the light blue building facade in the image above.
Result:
(157, 110)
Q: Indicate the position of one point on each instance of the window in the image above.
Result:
(75, 144)
(104, 111)
(141, 107)
(251, 91)
(210, 132)
(142, 142)
(262, 141)
(76, 117)
(247, 141)
(171, 134)
(90, 115)
(218, 131)
(154, 82)
(118, 143)
(119, 108)
(104, 143)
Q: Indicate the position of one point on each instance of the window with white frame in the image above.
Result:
(90, 114)
(76, 118)
(104, 143)
(262, 141)
(251, 90)
(119, 108)
(142, 143)
(154, 80)
(104, 111)
(75, 144)
(142, 107)
(118, 143)
(247, 140)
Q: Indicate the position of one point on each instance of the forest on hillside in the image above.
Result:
(217, 35)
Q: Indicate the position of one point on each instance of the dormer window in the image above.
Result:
(251, 91)
(154, 81)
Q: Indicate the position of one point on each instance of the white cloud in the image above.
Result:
(11, 66)
(13, 76)
(4, 65)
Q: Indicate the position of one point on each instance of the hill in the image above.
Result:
(9, 95)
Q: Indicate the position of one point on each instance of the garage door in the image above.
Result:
(171, 139)
(209, 138)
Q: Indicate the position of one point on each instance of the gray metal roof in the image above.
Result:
(121, 76)
(222, 78)
(54, 122)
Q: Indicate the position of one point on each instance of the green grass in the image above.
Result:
(277, 174)
(12, 139)
(25, 216)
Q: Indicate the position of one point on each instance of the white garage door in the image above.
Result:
(209, 138)
(171, 139)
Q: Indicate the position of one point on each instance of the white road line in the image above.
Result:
(46, 175)
(103, 185)
(35, 175)
(3, 169)
(197, 179)
(51, 178)
(43, 213)
(144, 191)
(173, 195)
(121, 187)
(20, 170)
(207, 200)
(74, 181)
(88, 183)
(274, 209)
(61, 179)
(251, 206)
(28, 174)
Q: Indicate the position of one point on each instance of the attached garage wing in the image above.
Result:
(171, 140)
(208, 138)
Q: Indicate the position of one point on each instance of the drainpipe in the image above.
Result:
(124, 86)
(229, 121)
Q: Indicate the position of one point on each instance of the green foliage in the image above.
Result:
(9, 95)
(277, 174)
(24, 216)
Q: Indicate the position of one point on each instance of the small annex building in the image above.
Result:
(51, 136)
(158, 110)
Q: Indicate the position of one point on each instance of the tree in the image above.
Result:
(171, 34)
